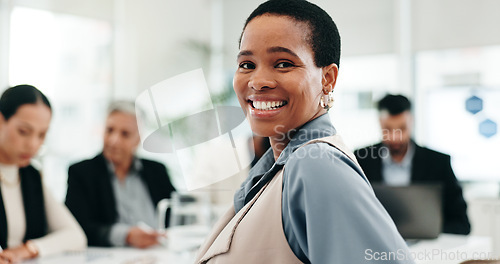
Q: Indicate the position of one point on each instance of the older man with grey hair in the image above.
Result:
(115, 193)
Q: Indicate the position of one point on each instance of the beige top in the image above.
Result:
(64, 232)
(238, 241)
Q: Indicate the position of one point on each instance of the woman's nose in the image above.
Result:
(34, 144)
(262, 79)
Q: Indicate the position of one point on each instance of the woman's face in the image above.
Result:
(22, 135)
(277, 82)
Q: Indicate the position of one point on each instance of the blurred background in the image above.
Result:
(443, 54)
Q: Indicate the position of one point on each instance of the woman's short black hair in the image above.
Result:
(324, 36)
(19, 95)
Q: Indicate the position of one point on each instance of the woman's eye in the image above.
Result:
(246, 65)
(284, 65)
(23, 132)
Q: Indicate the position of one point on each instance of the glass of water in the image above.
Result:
(185, 218)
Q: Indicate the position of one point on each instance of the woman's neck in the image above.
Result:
(279, 142)
(278, 145)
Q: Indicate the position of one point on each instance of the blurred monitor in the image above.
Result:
(415, 209)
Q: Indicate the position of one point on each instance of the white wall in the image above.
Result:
(4, 43)
(153, 36)
(455, 23)
(102, 9)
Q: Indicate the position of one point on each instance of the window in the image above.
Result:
(461, 91)
(69, 59)
(362, 81)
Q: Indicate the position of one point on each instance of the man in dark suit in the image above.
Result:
(397, 160)
(114, 195)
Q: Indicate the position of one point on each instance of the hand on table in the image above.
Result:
(140, 238)
(14, 255)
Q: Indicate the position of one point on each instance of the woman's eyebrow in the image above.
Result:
(281, 49)
(244, 53)
(25, 125)
(275, 49)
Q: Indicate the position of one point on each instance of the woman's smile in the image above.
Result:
(265, 106)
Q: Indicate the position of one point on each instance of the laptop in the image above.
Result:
(415, 209)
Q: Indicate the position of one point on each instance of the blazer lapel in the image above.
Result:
(155, 193)
(3, 223)
(376, 174)
(417, 165)
(108, 199)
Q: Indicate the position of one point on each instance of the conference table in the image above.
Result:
(452, 249)
(446, 248)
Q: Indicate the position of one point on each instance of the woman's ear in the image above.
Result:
(330, 73)
(3, 122)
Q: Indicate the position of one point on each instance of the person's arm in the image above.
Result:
(78, 202)
(330, 213)
(135, 236)
(455, 208)
(64, 233)
(98, 233)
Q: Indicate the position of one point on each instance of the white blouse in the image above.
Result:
(64, 232)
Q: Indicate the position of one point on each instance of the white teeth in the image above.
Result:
(269, 105)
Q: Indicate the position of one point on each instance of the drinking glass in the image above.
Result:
(189, 216)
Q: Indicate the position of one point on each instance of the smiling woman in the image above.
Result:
(287, 69)
(283, 72)
(32, 223)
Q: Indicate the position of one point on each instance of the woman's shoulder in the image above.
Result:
(314, 148)
(319, 154)
(321, 163)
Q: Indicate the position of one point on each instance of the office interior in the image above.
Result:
(444, 55)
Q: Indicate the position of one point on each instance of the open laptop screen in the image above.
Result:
(415, 209)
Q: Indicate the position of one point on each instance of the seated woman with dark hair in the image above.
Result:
(32, 222)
